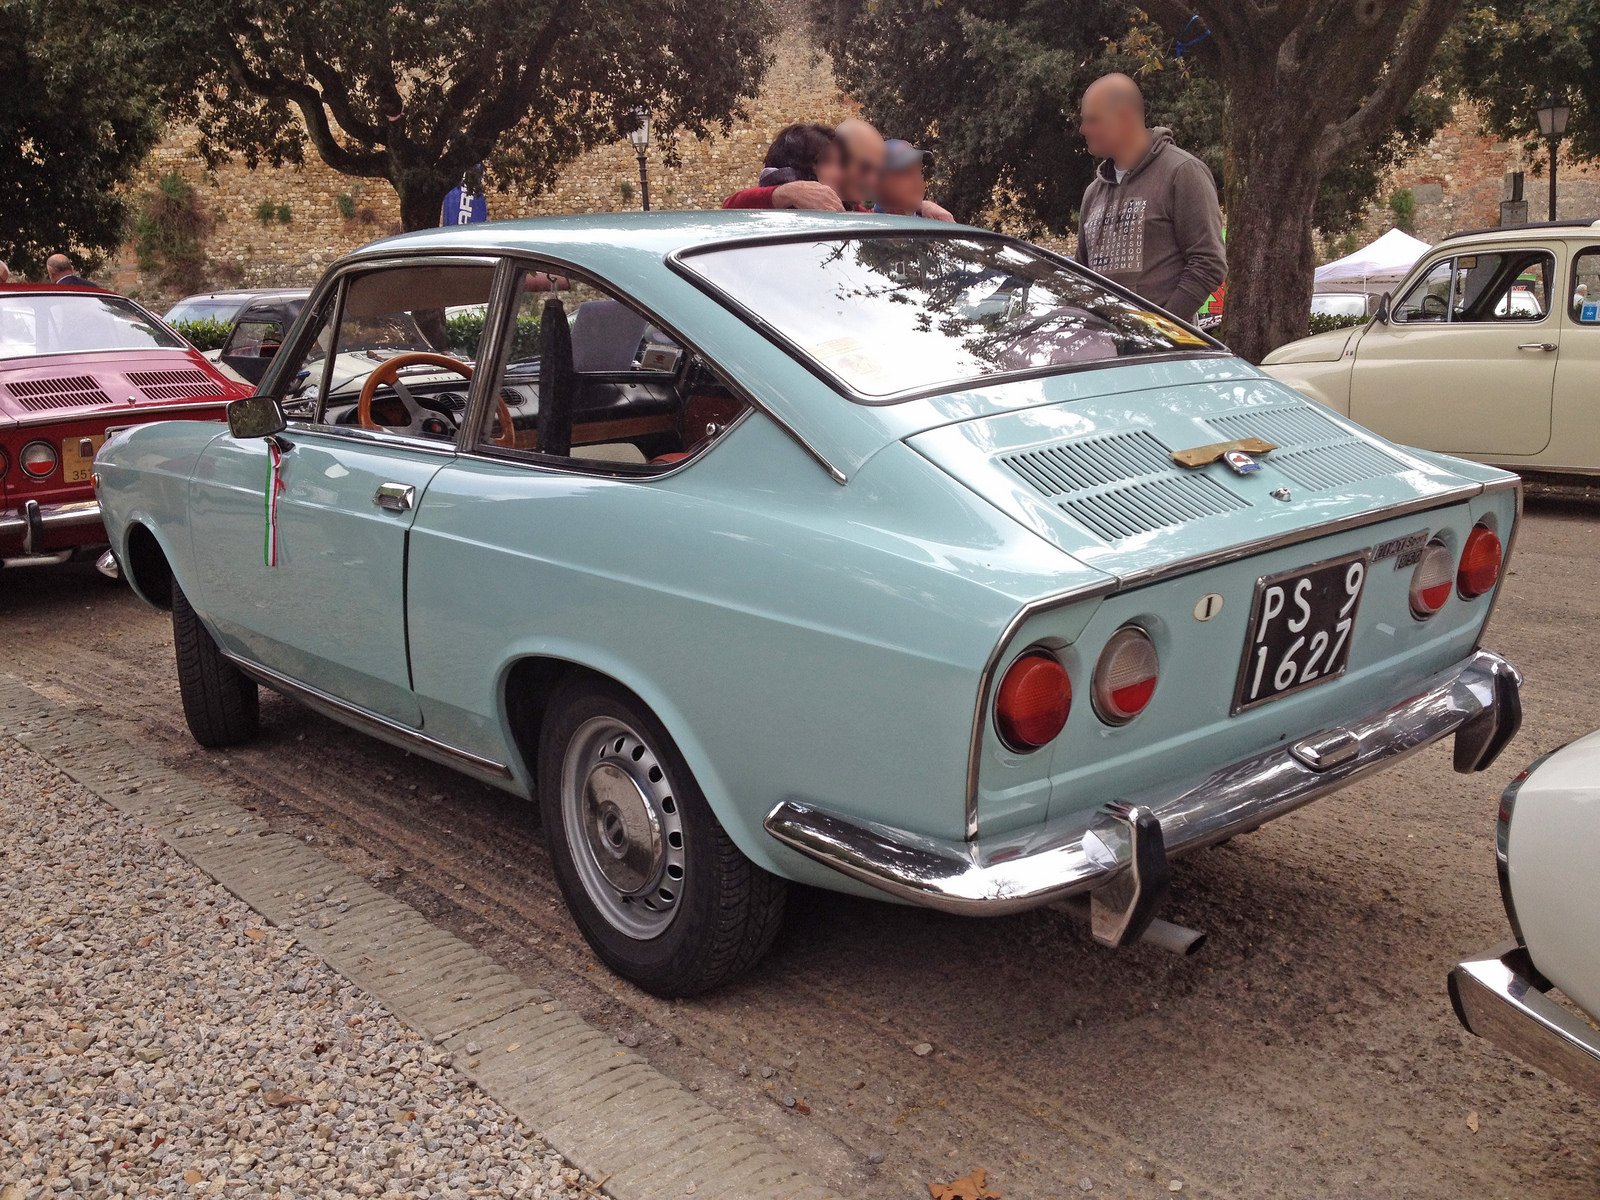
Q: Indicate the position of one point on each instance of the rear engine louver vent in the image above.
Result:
(174, 385)
(69, 391)
(1121, 486)
(1314, 452)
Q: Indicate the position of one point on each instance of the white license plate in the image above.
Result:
(1302, 623)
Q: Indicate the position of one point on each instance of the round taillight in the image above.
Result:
(1125, 676)
(5, 462)
(1432, 580)
(1480, 563)
(38, 459)
(1034, 699)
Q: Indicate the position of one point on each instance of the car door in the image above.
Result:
(255, 338)
(1575, 435)
(302, 569)
(1466, 362)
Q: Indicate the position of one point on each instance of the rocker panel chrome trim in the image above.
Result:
(369, 722)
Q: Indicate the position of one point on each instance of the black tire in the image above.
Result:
(220, 702)
(725, 910)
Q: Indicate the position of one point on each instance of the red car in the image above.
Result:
(77, 363)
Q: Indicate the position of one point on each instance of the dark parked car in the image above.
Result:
(258, 318)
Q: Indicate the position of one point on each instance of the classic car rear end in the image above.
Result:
(76, 365)
(991, 586)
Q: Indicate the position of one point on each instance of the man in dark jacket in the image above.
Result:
(62, 269)
(1150, 219)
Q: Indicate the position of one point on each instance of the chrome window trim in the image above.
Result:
(361, 261)
(153, 412)
(677, 260)
(368, 721)
(1173, 570)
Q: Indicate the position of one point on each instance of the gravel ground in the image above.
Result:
(157, 1038)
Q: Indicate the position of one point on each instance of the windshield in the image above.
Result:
(45, 323)
(203, 310)
(898, 314)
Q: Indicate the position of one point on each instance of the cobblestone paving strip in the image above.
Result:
(606, 1110)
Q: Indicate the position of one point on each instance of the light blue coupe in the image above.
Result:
(874, 554)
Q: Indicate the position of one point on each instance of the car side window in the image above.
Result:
(590, 381)
(258, 334)
(1429, 299)
(1585, 297)
(398, 351)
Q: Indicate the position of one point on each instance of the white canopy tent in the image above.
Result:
(1374, 267)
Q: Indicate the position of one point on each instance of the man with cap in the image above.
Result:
(901, 186)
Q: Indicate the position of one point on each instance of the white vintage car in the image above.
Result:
(1489, 349)
(1545, 844)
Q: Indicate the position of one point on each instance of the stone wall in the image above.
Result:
(245, 250)
(1459, 178)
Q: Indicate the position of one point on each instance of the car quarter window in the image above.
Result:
(1478, 288)
(397, 352)
(1585, 298)
(590, 381)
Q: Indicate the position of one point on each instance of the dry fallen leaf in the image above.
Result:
(408, 1115)
(513, 1046)
(1472, 1120)
(968, 1187)
(191, 1176)
(255, 935)
(282, 1099)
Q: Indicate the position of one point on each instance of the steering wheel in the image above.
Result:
(388, 372)
(1435, 306)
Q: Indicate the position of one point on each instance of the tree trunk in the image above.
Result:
(420, 201)
(1271, 190)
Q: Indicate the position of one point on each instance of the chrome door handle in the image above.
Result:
(395, 497)
(1545, 346)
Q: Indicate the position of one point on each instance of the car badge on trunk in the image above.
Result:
(1240, 462)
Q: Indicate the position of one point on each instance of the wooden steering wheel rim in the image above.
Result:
(389, 370)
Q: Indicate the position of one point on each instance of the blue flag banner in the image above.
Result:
(464, 208)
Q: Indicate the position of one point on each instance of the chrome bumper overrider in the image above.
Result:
(1501, 998)
(29, 527)
(1118, 853)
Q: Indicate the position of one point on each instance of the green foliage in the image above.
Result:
(346, 204)
(626, 189)
(1513, 53)
(285, 214)
(204, 335)
(465, 331)
(79, 116)
(1403, 208)
(1327, 322)
(169, 233)
(416, 91)
(266, 212)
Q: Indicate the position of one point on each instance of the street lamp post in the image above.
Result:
(1553, 117)
(639, 135)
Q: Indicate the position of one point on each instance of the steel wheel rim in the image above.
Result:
(623, 827)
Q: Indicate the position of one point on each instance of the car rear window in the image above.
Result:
(900, 314)
(51, 323)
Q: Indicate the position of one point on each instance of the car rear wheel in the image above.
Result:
(220, 703)
(654, 882)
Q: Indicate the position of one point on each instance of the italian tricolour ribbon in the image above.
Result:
(269, 549)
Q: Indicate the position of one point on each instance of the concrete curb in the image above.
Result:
(604, 1109)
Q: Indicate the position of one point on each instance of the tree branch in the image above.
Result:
(272, 82)
(1406, 71)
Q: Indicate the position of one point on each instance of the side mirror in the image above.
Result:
(1382, 315)
(256, 417)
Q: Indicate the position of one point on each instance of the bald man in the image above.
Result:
(62, 269)
(1150, 219)
(5, 273)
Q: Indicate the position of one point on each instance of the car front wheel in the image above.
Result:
(654, 882)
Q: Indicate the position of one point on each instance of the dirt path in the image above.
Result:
(1308, 1051)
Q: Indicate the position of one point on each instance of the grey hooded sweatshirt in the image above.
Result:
(1159, 231)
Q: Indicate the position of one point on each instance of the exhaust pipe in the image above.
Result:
(1162, 934)
(106, 564)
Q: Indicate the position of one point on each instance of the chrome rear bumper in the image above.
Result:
(1118, 853)
(1502, 999)
(35, 528)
